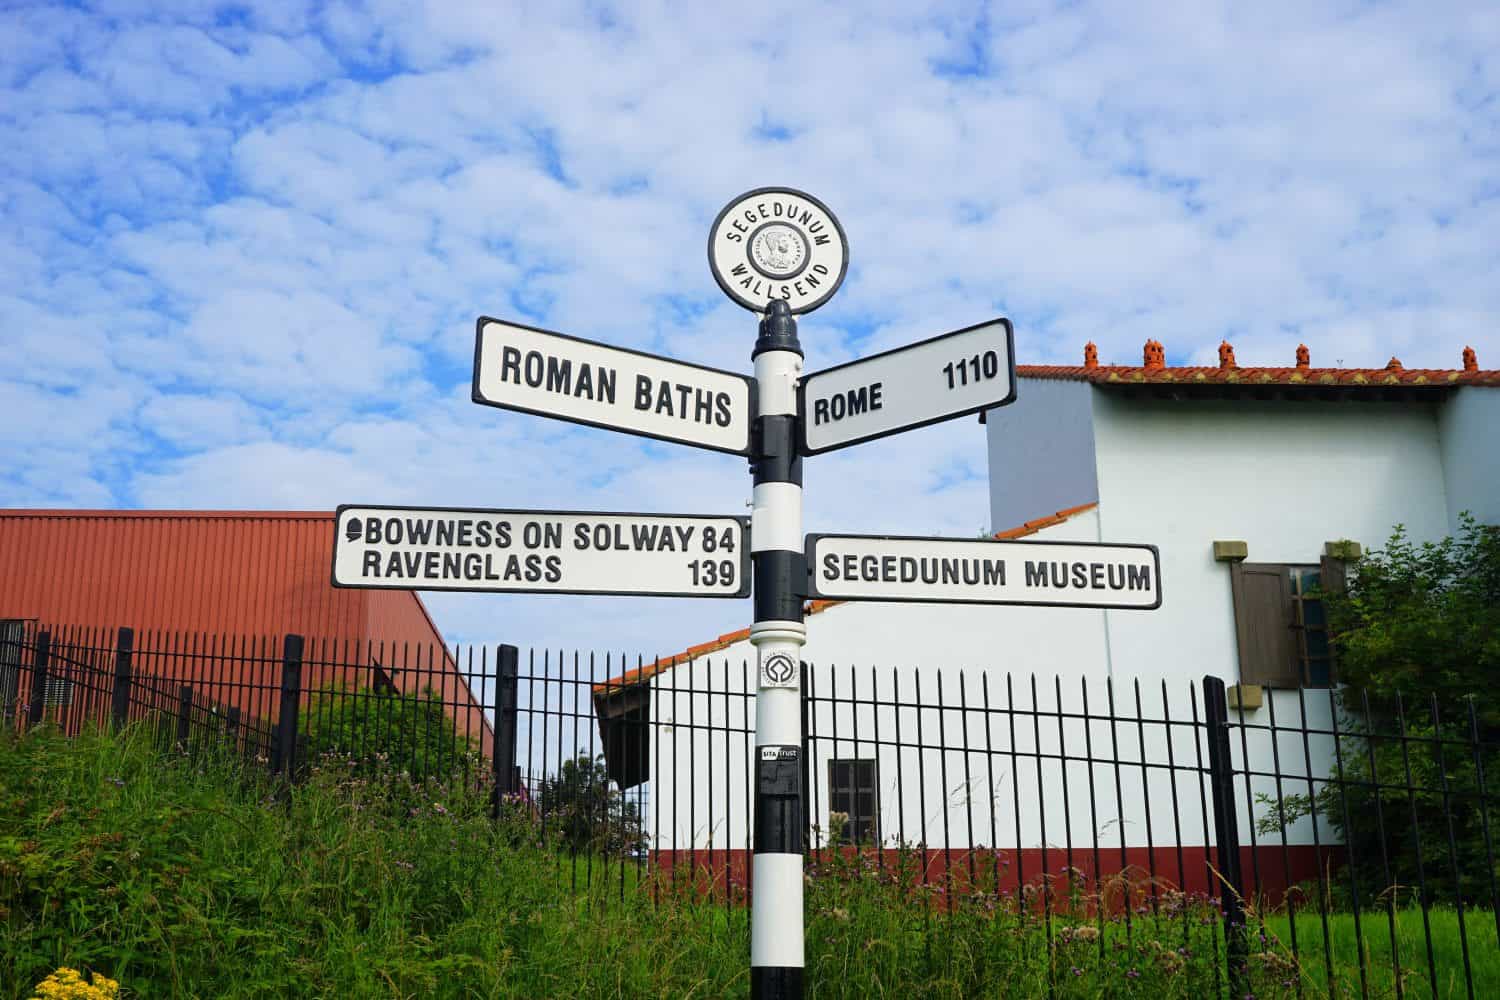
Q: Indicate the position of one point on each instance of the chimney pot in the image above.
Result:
(1226, 355)
(1471, 360)
(1394, 365)
(1155, 356)
(1090, 355)
(1304, 356)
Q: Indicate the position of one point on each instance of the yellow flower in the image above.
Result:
(67, 984)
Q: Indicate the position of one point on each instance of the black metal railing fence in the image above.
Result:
(1315, 841)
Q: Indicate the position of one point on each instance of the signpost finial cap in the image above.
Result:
(778, 330)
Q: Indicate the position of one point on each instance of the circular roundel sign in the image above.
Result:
(778, 243)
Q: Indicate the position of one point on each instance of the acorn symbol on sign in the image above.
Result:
(352, 529)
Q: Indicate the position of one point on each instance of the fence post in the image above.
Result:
(807, 813)
(284, 751)
(184, 715)
(503, 754)
(120, 706)
(40, 661)
(1226, 834)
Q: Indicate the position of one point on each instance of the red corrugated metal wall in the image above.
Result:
(223, 572)
(218, 573)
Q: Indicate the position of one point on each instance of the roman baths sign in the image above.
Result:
(554, 375)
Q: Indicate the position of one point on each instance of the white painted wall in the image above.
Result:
(975, 792)
(1283, 477)
(1469, 430)
(961, 656)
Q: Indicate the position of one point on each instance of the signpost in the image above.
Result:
(962, 571)
(541, 551)
(949, 376)
(554, 375)
(779, 253)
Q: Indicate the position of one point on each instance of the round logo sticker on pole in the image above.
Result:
(778, 243)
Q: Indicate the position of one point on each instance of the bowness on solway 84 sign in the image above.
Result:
(540, 551)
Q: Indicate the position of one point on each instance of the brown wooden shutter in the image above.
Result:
(1263, 618)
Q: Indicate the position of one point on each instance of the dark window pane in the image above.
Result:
(851, 790)
(1312, 613)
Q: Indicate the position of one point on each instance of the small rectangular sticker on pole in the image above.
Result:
(961, 571)
(541, 552)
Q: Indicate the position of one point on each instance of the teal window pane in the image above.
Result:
(1305, 578)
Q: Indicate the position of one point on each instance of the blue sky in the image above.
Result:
(244, 245)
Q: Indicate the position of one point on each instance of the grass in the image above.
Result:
(199, 877)
(1380, 964)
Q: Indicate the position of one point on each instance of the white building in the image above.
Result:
(1247, 479)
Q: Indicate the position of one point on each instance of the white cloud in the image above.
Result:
(244, 249)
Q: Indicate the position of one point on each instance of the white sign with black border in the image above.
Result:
(948, 570)
(541, 552)
(551, 374)
(941, 378)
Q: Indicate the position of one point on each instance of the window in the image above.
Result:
(1280, 625)
(1310, 628)
(852, 792)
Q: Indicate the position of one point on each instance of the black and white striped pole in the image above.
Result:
(778, 252)
(778, 635)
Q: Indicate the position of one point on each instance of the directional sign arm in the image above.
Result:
(551, 374)
(541, 551)
(948, 376)
(961, 571)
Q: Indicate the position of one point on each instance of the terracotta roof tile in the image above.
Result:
(665, 663)
(1374, 378)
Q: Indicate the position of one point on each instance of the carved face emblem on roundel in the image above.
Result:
(780, 668)
(778, 250)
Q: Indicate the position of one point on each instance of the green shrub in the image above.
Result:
(387, 729)
(1418, 640)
